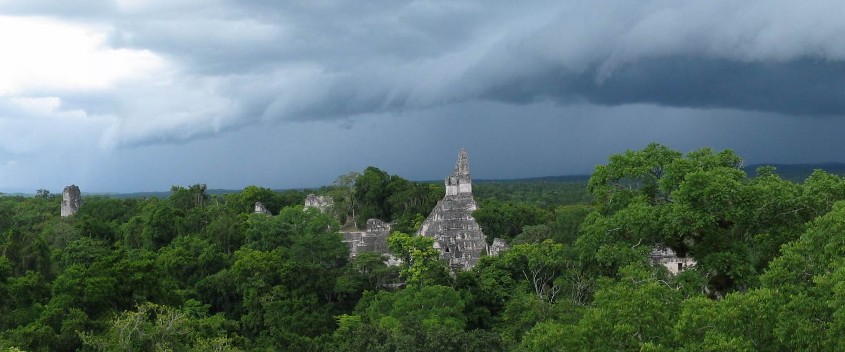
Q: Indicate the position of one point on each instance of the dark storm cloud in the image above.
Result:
(236, 63)
(338, 36)
(800, 87)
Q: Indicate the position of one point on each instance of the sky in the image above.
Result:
(140, 95)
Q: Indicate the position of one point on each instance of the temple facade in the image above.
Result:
(456, 233)
(662, 255)
(321, 203)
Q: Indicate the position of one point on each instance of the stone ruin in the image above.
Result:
(665, 256)
(71, 200)
(261, 209)
(373, 240)
(456, 233)
(321, 203)
(499, 245)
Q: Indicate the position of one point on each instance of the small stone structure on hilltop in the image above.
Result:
(456, 233)
(321, 203)
(71, 200)
(667, 257)
(261, 209)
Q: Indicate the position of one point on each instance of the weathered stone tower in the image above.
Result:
(456, 234)
(460, 183)
(71, 200)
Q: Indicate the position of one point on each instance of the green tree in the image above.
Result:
(804, 288)
(23, 297)
(421, 264)
(432, 306)
(26, 251)
(699, 204)
(427, 318)
(97, 278)
(226, 229)
(160, 225)
(153, 327)
(741, 320)
(636, 311)
(154, 226)
(252, 194)
(371, 194)
(409, 203)
(187, 260)
(269, 232)
(368, 272)
(566, 224)
(187, 198)
(507, 220)
(343, 195)
(286, 276)
(532, 234)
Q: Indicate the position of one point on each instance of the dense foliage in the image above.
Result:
(197, 271)
(374, 194)
(543, 192)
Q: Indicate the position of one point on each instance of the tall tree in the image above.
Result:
(699, 204)
(371, 194)
(506, 220)
(343, 196)
(421, 264)
(187, 198)
(152, 327)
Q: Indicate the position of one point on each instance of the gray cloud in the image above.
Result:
(799, 87)
(237, 66)
(504, 141)
(267, 60)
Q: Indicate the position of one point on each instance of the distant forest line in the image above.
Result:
(573, 185)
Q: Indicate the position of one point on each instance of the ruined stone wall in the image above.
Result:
(261, 209)
(666, 256)
(352, 239)
(499, 245)
(373, 240)
(321, 203)
(71, 200)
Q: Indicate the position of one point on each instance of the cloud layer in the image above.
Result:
(202, 68)
(129, 74)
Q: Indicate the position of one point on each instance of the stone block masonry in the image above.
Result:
(456, 233)
(321, 203)
(71, 200)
